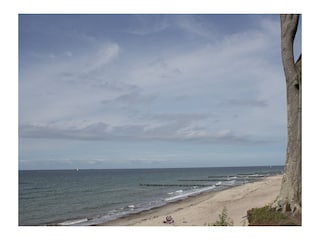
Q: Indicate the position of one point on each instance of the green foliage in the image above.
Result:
(267, 216)
(224, 219)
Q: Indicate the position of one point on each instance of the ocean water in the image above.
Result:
(88, 197)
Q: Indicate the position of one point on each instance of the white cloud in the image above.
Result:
(102, 56)
(149, 24)
(188, 24)
(63, 88)
(88, 96)
(112, 102)
(240, 58)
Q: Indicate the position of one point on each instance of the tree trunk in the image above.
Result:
(290, 194)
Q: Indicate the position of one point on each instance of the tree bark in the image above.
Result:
(290, 194)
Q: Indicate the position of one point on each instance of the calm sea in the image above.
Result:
(86, 197)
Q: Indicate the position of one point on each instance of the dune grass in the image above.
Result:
(267, 216)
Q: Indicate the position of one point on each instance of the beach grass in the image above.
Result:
(224, 219)
(267, 216)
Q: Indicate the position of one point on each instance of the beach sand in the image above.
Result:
(204, 209)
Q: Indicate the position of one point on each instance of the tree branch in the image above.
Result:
(289, 26)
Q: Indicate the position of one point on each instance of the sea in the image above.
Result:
(83, 197)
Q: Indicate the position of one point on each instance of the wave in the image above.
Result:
(122, 212)
(229, 183)
(73, 222)
(256, 175)
(198, 180)
(172, 185)
(189, 193)
(232, 177)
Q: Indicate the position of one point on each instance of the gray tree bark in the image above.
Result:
(290, 194)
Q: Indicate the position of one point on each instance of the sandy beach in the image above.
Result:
(204, 209)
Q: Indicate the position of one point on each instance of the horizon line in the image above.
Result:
(74, 169)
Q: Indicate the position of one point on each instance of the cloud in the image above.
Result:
(202, 87)
(149, 24)
(189, 117)
(191, 25)
(160, 67)
(177, 129)
(188, 25)
(238, 63)
(96, 131)
(134, 97)
(85, 67)
(72, 86)
(105, 54)
(247, 102)
(114, 85)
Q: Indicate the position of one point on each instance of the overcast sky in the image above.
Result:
(142, 91)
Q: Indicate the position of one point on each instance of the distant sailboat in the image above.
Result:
(77, 169)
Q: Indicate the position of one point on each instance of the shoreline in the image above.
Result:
(204, 209)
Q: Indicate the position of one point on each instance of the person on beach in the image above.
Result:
(169, 220)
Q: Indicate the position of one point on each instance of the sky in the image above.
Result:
(149, 91)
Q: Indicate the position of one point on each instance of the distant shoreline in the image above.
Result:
(85, 169)
(205, 208)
